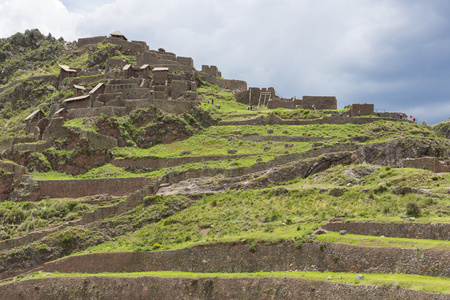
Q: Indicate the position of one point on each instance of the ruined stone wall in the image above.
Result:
(8, 143)
(88, 187)
(427, 163)
(272, 119)
(167, 56)
(178, 87)
(33, 147)
(432, 231)
(109, 111)
(226, 83)
(91, 40)
(201, 288)
(147, 57)
(130, 47)
(114, 63)
(174, 106)
(157, 162)
(230, 258)
(211, 70)
(131, 201)
(106, 98)
(362, 109)
(320, 102)
(187, 61)
(391, 115)
(120, 88)
(281, 103)
(44, 78)
(14, 168)
(159, 288)
(144, 44)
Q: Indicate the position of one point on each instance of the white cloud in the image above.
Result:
(49, 16)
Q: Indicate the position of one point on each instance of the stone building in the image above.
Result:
(66, 71)
(32, 120)
(319, 102)
(160, 76)
(361, 109)
(78, 90)
(77, 102)
(118, 35)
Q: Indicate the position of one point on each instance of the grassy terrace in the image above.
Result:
(412, 282)
(386, 242)
(273, 214)
(374, 176)
(18, 218)
(111, 171)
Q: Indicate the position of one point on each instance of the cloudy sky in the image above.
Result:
(393, 53)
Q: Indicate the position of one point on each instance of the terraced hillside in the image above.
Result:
(219, 201)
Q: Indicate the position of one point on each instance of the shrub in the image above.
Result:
(412, 209)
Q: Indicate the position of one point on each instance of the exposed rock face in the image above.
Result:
(79, 161)
(393, 152)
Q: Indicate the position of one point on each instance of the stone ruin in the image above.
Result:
(427, 163)
(267, 97)
(361, 109)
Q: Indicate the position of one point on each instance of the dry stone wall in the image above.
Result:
(432, 231)
(156, 288)
(231, 258)
(427, 163)
(88, 187)
(157, 162)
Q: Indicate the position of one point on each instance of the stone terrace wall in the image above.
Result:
(88, 187)
(229, 258)
(8, 143)
(174, 106)
(110, 111)
(433, 231)
(427, 163)
(157, 162)
(159, 288)
(12, 167)
(272, 120)
(131, 201)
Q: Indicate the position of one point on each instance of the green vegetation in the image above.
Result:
(19, 218)
(385, 242)
(271, 215)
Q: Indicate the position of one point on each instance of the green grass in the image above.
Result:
(201, 145)
(412, 282)
(259, 215)
(105, 171)
(84, 124)
(18, 218)
(386, 242)
(372, 176)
